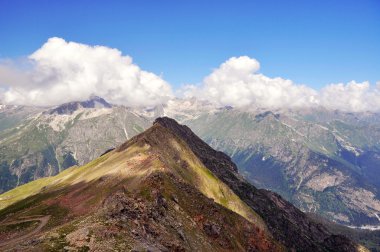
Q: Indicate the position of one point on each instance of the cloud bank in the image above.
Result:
(237, 82)
(63, 71)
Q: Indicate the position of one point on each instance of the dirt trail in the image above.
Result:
(43, 221)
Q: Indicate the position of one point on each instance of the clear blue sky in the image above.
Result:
(310, 42)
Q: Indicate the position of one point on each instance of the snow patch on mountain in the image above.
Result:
(345, 144)
(92, 113)
(58, 122)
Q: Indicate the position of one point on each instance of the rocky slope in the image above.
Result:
(163, 190)
(324, 162)
(369, 238)
(12, 116)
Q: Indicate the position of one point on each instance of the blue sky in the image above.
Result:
(309, 42)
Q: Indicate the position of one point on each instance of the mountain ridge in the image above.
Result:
(70, 107)
(156, 178)
(142, 184)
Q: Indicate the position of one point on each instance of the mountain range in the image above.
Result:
(322, 161)
(162, 190)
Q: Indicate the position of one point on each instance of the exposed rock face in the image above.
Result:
(197, 224)
(287, 224)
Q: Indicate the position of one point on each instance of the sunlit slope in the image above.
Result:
(155, 150)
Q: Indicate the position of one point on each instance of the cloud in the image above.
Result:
(237, 82)
(63, 71)
(353, 96)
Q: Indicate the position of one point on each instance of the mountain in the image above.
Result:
(163, 190)
(71, 107)
(322, 161)
(38, 142)
(48, 141)
(367, 237)
(12, 115)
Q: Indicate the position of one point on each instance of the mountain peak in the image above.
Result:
(216, 161)
(170, 123)
(70, 107)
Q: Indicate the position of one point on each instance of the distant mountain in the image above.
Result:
(45, 142)
(323, 161)
(12, 115)
(71, 107)
(163, 190)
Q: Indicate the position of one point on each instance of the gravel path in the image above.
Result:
(43, 221)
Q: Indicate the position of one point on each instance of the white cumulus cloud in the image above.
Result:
(353, 96)
(63, 71)
(237, 82)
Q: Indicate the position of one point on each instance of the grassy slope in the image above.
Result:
(129, 164)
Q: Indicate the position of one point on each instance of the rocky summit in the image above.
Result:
(162, 190)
